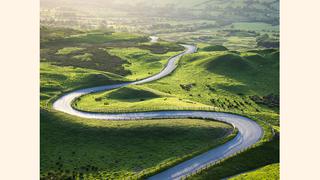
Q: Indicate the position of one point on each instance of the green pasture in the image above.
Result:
(93, 149)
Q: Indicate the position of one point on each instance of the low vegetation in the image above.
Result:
(56, 80)
(142, 63)
(267, 153)
(225, 75)
(214, 48)
(133, 99)
(92, 149)
(228, 82)
(267, 172)
(123, 54)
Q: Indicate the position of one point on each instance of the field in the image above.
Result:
(243, 82)
(230, 81)
(143, 63)
(105, 51)
(75, 147)
(267, 172)
(132, 99)
(267, 153)
(79, 148)
(56, 80)
(235, 70)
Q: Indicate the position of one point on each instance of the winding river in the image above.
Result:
(249, 132)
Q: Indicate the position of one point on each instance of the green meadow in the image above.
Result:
(94, 43)
(241, 82)
(228, 81)
(93, 149)
(142, 62)
(267, 172)
(251, 160)
(79, 148)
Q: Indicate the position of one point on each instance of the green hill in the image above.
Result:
(129, 93)
(214, 48)
(228, 64)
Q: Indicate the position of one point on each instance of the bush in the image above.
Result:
(187, 87)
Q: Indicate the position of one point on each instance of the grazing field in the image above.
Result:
(234, 36)
(142, 63)
(56, 80)
(124, 54)
(74, 147)
(249, 26)
(133, 99)
(243, 82)
(268, 172)
(232, 71)
(229, 81)
(226, 79)
(265, 154)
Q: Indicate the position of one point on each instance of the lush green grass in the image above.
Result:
(227, 82)
(234, 36)
(161, 47)
(142, 63)
(238, 42)
(214, 48)
(55, 80)
(219, 36)
(265, 154)
(68, 50)
(94, 149)
(254, 26)
(98, 37)
(124, 54)
(73, 146)
(268, 172)
(224, 78)
(228, 79)
(133, 98)
(62, 37)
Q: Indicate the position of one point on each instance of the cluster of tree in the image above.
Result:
(187, 87)
(267, 42)
(226, 103)
(270, 100)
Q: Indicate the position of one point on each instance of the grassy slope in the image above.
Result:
(227, 80)
(226, 87)
(73, 146)
(235, 36)
(249, 26)
(267, 153)
(72, 59)
(133, 98)
(86, 49)
(56, 80)
(268, 172)
(142, 63)
(121, 53)
(97, 149)
(65, 140)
